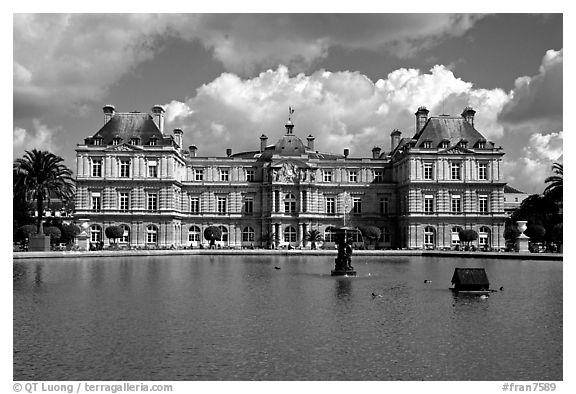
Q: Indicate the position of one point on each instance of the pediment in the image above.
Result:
(125, 147)
(456, 150)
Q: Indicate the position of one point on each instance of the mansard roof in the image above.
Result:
(131, 125)
(453, 129)
(510, 189)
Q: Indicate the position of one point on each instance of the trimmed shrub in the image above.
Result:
(372, 233)
(25, 231)
(114, 232)
(212, 234)
(54, 233)
(468, 236)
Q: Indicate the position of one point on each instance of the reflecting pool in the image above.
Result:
(283, 318)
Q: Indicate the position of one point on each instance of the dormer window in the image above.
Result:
(153, 141)
(481, 145)
(463, 144)
(98, 141)
(427, 145)
(116, 140)
(135, 141)
(444, 144)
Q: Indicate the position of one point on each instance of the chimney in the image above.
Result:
(468, 115)
(310, 139)
(109, 112)
(421, 118)
(346, 152)
(158, 114)
(263, 142)
(178, 137)
(228, 152)
(376, 152)
(394, 139)
(192, 149)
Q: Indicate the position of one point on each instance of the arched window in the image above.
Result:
(125, 238)
(456, 235)
(151, 234)
(429, 236)
(290, 234)
(484, 236)
(289, 203)
(248, 234)
(385, 235)
(330, 234)
(224, 231)
(95, 233)
(194, 234)
(355, 235)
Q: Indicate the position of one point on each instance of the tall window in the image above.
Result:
(456, 204)
(224, 175)
(221, 204)
(330, 205)
(249, 204)
(276, 201)
(483, 204)
(290, 234)
(95, 233)
(330, 234)
(194, 234)
(327, 176)
(429, 236)
(125, 168)
(194, 204)
(97, 167)
(224, 231)
(428, 171)
(456, 235)
(482, 171)
(248, 234)
(385, 235)
(353, 176)
(198, 174)
(304, 201)
(483, 236)
(384, 205)
(152, 169)
(428, 204)
(96, 202)
(152, 202)
(250, 175)
(123, 199)
(289, 203)
(356, 205)
(378, 176)
(151, 234)
(125, 238)
(455, 171)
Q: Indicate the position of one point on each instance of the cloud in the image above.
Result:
(341, 109)
(39, 138)
(537, 100)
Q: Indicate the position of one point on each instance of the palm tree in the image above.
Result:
(313, 236)
(41, 174)
(555, 182)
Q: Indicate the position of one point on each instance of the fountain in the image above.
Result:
(343, 265)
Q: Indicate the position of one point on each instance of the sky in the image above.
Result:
(225, 79)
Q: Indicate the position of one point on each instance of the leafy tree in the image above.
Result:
(54, 233)
(212, 234)
(555, 182)
(372, 233)
(314, 236)
(468, 236)
(539, 209)
(536, 232)
(557, 234)
(25, 231)
(114, 232)
(270, 238)
(39, 175)
(69, 232)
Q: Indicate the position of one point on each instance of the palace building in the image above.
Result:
(443, 178)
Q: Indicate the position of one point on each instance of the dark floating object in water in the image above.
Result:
(472, 281)
(501, 288)
(427, 281)
(276, 268)
(376, 295)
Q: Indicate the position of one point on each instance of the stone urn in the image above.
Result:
(521, 226)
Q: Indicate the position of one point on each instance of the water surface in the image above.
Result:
(239, 318)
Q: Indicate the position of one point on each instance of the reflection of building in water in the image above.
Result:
(443, 178)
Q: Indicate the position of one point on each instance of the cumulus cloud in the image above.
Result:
(538, 99)
(341, 109)
(40, 137)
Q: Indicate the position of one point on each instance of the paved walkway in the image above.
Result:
(295, 252)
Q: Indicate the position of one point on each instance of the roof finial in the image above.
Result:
(290, 112)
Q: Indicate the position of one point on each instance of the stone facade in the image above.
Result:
(447, 177)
